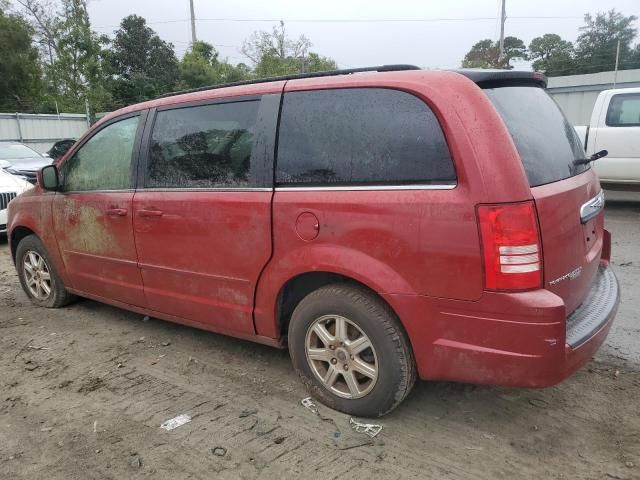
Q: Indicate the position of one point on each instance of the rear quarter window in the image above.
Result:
(361, 136)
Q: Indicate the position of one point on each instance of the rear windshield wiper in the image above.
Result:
(592, 158)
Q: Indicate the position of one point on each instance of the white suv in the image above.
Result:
(10, 187)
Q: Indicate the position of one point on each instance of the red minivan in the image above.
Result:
(383, 223)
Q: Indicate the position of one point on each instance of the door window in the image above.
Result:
(206, 146)
(104, 161)
(363, 136)
(624, 110)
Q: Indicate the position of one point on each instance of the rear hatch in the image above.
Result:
(548, 146)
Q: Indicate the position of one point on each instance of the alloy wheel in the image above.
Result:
(341, 356)
(37, 275)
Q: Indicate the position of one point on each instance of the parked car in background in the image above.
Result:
(383, 224)
(615, 127)
(18, 159)
(10, 187)
(58, 149)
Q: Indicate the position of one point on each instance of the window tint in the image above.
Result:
(360, 136)
(546, 141)
(203, 147)
(104, 161)
(624, 110)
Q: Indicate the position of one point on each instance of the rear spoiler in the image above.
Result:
(504, 78)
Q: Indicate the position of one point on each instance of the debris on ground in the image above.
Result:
(30, 366)
(219, 451)
(247, 412)
(165, 344)
(175, 422)
(371, 429)
(309, 404)
(538, 402)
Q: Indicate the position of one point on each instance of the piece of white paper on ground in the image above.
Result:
(175, 422)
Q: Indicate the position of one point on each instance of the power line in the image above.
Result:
(380, 20)
(356, 20)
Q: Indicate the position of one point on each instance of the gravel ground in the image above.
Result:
(84, 390)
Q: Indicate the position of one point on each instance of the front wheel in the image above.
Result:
(350, 350)
(37, 275)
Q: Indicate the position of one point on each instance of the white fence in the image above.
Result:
(40, 131)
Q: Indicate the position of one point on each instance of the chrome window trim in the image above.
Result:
(210, 189)
(124, 190)
(279, 189)
(366, 188)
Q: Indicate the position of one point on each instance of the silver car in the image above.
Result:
(19, 159)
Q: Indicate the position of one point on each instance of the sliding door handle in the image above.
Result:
(150, 213)
(117, 212)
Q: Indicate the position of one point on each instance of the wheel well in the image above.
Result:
(300, 286)
(17, 235)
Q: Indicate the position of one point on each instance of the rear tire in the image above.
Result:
(37, 275)
(351, 351)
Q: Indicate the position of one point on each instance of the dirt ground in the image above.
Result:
(84, 389)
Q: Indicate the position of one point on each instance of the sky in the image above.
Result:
(357, 33)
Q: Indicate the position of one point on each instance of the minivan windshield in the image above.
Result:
(546, 141)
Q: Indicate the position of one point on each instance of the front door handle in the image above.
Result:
(150, 213)
(117, 212)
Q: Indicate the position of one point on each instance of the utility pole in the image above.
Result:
(193, 24)
(86, 106)
(615, 73)
(503, 17)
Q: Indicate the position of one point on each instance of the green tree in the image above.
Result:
(19, 65)
(77, 70)
(486, 54)
(201, 66)
(275, 53)
(142, 65)
(552, 55)
(71, 54)
(597, 43)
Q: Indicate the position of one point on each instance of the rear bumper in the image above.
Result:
(510, 339)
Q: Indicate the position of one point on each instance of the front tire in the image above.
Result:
(351, 351)
(38, 277)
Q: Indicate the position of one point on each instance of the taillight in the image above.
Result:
(511, 246)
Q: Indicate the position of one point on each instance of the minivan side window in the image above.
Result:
(624, 110)
(360, 136)
(206, 146)
(104, 161)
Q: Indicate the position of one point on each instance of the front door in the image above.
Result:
(203, 219)
(93, 214)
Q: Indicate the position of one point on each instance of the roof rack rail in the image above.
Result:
(328, 73)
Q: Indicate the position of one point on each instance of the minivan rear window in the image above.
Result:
(546, 141)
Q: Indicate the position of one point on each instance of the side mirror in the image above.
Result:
(48, 178)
